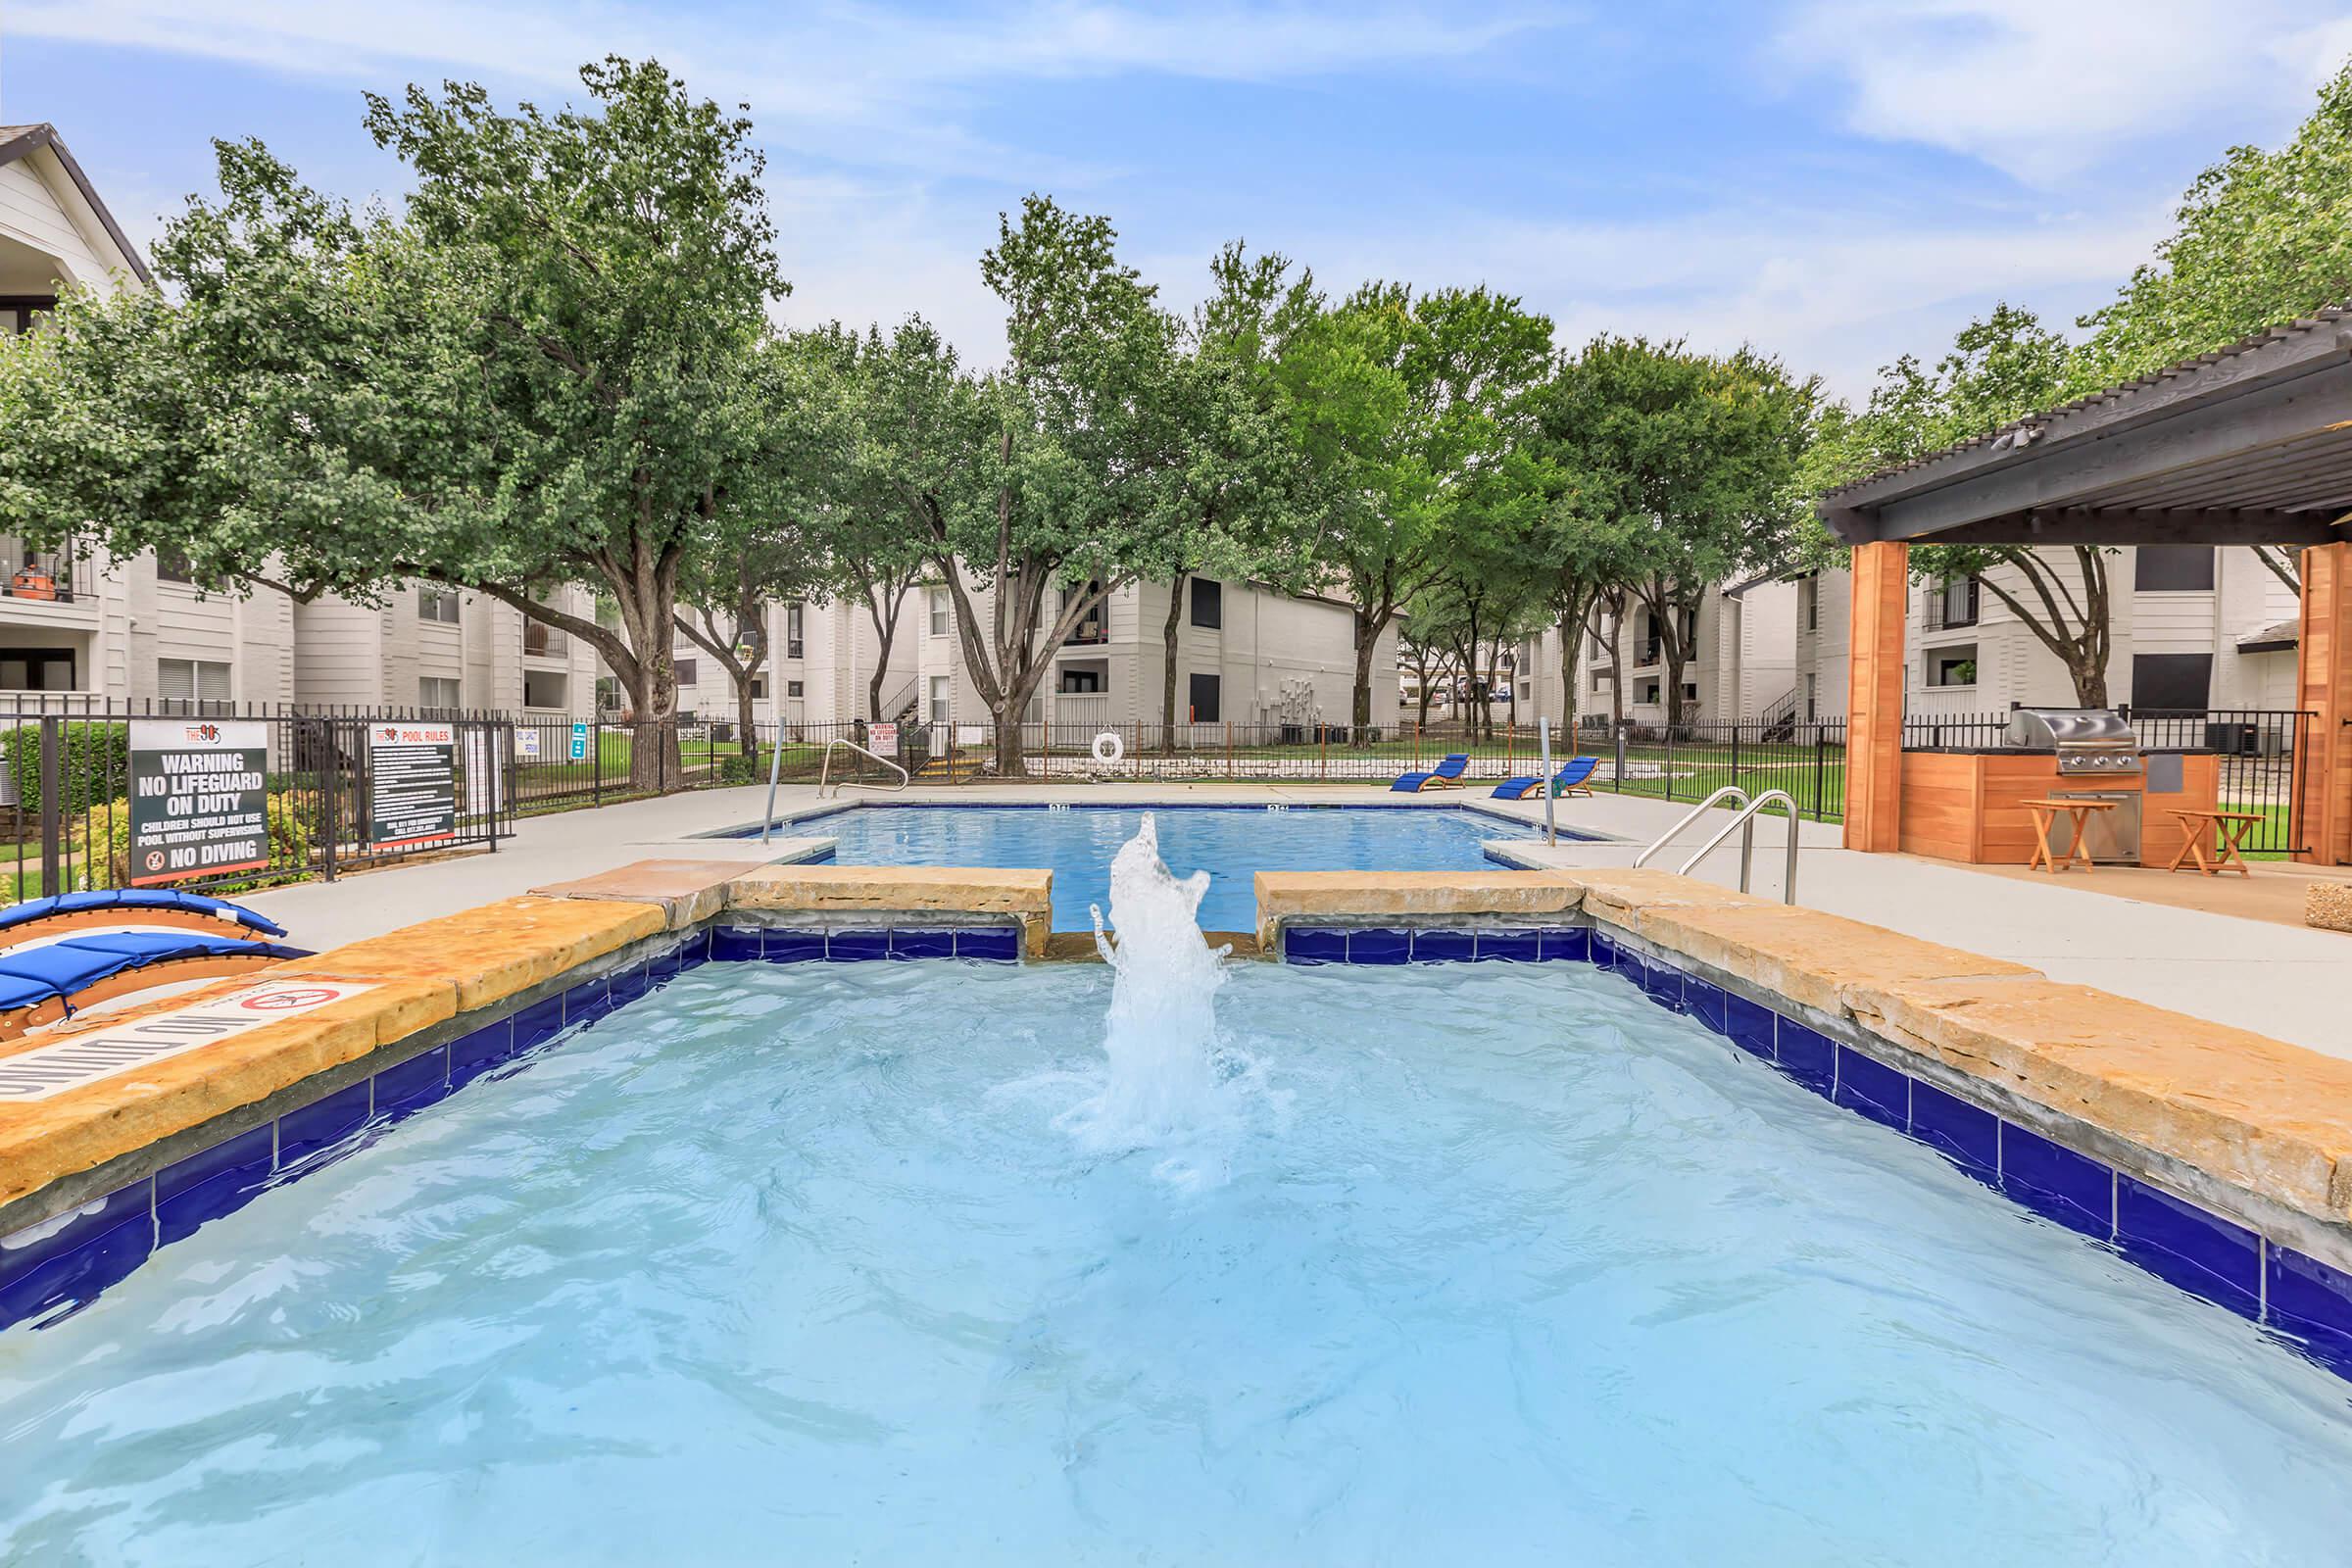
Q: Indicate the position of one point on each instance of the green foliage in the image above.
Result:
(94, 760)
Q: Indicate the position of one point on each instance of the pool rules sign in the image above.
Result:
(199, 797)
(412, 784)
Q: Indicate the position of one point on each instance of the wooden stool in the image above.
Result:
(2228, 829)
(2046, 813)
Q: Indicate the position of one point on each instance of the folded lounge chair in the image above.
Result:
(50, 980)
(112, 908)
(1569, 780)
(1446, 775)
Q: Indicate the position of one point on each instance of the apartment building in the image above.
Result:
(1245, 654)
(435, 647)
(1743, 670)
(2191, 628)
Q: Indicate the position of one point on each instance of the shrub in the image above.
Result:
(93, 761)
(99, 840)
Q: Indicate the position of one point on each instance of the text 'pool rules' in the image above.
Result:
(412, 784)
(199, 797)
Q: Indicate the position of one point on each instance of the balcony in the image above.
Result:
(50, 579)
(1951, 606)
(1089, 633)
(1649, 651)
(542, 641)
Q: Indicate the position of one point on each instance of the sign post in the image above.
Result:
(1551, 831)
(412, 784)
(199, 797)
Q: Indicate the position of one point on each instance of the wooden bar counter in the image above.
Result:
(1963, 805)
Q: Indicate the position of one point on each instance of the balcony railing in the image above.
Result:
(542, 641)
(1088, 634)
(1648, 651)
(1950, 606)
(42, 576)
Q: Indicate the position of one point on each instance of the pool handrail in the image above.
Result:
(1745, 821)
(824, 774)
(1694, 813)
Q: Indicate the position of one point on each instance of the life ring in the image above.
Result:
(1109, 747)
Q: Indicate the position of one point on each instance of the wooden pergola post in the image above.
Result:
(1873, 711)
(2323, 692)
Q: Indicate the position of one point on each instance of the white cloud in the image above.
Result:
(2042, 89)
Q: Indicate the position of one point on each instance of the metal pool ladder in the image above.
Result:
(824, 774)
(1744, 821)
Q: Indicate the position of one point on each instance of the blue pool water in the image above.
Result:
(1491, 1264)
(1230, 843)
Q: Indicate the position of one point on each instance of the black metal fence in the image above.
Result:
(317, 792)
(2258, 752)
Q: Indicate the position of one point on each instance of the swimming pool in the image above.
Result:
(1229, 841)
(1470, 1264)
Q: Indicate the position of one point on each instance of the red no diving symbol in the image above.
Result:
(296, 996)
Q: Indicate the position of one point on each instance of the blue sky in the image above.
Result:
(1834, 181)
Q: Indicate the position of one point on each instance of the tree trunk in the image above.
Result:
(1572, 644)
(1367, 638)
(1167, 696)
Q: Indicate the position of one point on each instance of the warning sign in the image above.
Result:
(199, 797)
(412, 784)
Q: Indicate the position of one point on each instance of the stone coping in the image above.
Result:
(2254, 1114)
(426, 979)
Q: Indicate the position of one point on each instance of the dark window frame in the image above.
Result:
(1208, 604)
(1215, 691)
(2170, 677)
(2173, 569)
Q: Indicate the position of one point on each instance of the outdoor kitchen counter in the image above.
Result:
(1967, 802)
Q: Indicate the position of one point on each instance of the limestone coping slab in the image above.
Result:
(688, 892)
(45, 1140)
(2273, 1118)
(1026, 896)
(1285, 896)
(495, 951)
(1804, 954)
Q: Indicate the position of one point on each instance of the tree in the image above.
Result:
(1697, 459)
(763, 542)
(1074, 486)
(2259, 238)
(918, 424)
(1999, 370)
(1400, 405)
(1238, 478)
(625, 263)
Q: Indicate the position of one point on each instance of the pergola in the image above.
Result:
(2249, 444)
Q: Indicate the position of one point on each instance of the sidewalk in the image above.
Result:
(2288, 982)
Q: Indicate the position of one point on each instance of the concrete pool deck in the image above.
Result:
(2276, 980)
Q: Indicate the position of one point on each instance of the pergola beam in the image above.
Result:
(2133, 526)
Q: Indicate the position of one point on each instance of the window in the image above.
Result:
(939, 699)
(1808, 593)
(942, 613)
(547, 687)
(190, 685)
(760, 687)
(1081, 682)
(1952, 666)
(437, 691)
(1208, 603)
(21, 313)
(1647, 692)
(171, 565)
(437, 603)
(1204, 699)
(2175, 682)
(36, 669)
(1812, 691)
(1954, 603)
(2173, 569)
(791, 688)
(685, 668)
(792, 631)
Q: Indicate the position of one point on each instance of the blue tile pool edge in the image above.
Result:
(2303, 1301)
(53, 1268)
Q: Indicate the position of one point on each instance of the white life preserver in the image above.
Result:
(1109, 747)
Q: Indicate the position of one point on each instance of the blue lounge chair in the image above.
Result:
(121, 907)
(53, 979)
(1569, 780)
(1446, 775)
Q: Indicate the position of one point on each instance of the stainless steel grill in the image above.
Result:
(2090, 742)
